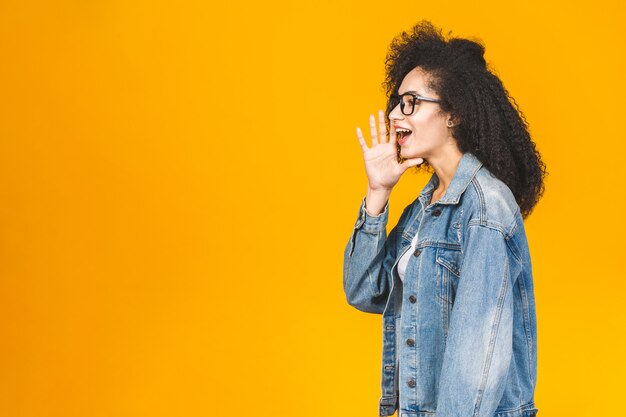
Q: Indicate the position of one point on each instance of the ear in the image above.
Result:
(452, 120)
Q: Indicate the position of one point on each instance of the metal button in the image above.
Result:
(412, 298)
(417, 252)
(410, 342)
(411, 383)
(436, 213)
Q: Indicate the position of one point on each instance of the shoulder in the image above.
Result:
(490, 202)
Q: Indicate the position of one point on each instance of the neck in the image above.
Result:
(445, 166)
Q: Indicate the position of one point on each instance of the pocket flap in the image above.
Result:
(450, 259)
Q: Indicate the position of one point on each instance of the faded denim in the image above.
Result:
(462, 326)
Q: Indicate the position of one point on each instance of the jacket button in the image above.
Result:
(417, 252)
(436, 213)
(410, 342)
(412, 298)
(411, 383)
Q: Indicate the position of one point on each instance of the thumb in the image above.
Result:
(411, 163)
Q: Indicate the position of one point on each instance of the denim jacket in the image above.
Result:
(459, 334)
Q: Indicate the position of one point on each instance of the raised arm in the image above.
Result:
(370, 254)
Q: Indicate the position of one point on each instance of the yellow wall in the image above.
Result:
(178, 181)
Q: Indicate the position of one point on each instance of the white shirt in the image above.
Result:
(404, 260)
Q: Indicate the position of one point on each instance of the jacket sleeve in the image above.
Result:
(368, 258)
(479, 345)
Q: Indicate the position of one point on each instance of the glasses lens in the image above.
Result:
(407, 105)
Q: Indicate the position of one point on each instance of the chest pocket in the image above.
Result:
(448, 273)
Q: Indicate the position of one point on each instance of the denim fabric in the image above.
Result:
(459, 334)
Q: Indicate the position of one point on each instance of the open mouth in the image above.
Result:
(402, 135)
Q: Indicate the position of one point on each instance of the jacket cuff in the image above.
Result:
(372, 223)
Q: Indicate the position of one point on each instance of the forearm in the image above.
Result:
(365, 277)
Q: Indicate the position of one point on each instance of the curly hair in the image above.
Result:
(490, 124)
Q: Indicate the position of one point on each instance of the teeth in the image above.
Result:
(402, 130)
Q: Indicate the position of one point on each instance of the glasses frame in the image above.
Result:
(416, 99)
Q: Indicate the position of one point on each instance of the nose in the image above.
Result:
(395, 113)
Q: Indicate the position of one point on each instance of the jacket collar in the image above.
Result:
(465, 172)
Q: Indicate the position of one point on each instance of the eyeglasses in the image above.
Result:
(408, 101)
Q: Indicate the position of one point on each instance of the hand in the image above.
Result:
(381, 160)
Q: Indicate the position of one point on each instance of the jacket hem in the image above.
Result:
(524, 411)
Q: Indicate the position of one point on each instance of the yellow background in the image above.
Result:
(178, 181)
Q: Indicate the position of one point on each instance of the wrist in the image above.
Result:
(376, 201)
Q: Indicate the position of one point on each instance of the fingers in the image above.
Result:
(382, 126)
(392, 133)
(359, 135)
(373, 131)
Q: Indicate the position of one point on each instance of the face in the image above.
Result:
(429, 138)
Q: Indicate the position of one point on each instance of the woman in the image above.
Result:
(453, 279)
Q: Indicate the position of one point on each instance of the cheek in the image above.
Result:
(431, 123)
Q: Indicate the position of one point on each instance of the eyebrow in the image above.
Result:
(410, 91)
